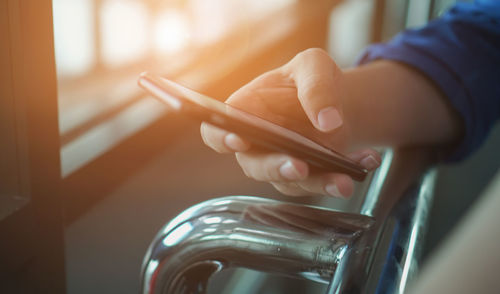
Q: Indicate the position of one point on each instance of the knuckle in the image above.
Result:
(269, 173)
(315, 83)
(209, 138)
(246, 172)
(272, 167)
(203, 132)
(244, 166)
(307, 89)
(313, 53)
(287, 189)
(213, 146)
(313, 189)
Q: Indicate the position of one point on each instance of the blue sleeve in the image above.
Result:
(460, 53)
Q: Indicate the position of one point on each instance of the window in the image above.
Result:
(102, 45)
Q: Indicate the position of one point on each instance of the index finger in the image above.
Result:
(221, 140)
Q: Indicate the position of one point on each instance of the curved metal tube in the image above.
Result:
(372, 251)
(261, 234)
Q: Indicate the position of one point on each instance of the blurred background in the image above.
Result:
(126, 165)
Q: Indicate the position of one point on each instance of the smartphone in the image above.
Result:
(258, 131)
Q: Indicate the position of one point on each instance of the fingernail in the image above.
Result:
(332, 190)
(289, 171)
(370, 163)
(234, 142)
(329, 119)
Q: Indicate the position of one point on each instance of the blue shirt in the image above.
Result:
(460, 52)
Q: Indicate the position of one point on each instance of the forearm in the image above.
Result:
(387, 103)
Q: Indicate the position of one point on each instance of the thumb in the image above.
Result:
(318, 82)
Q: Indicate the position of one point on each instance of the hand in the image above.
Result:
(305, 95)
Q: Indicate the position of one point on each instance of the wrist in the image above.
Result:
(391, 104)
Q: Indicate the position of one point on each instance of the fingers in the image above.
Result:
(330, 184)
(368, 158)
(267, 168)
(317, 79)
(221, 140)
(312, 77)
(272, 167)
(288, 175)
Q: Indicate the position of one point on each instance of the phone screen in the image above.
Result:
(256, 129)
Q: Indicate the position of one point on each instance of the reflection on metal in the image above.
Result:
(376, 184)
(373, 251)
(386, 258)
(261, 234)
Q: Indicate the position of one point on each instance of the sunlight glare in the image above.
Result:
(177, 235)
(74, 36)
(124, 26)
(171, 31)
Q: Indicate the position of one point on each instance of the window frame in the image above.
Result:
(32, 247)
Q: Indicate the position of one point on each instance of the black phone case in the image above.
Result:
(262, 137)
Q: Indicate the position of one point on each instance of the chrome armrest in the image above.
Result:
(374, 250)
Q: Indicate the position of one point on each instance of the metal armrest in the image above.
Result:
(373, 251)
